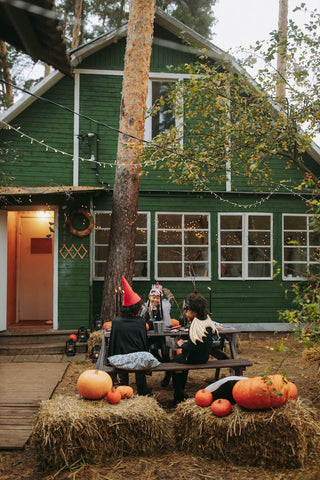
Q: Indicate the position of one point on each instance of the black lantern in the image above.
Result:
(95, 353)
(98, 323)
(82, 335)
(70, 349)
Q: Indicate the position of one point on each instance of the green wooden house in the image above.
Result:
(59, 165)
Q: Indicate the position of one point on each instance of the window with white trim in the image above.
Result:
(182, 246)
(245, 246)
(102, 227)
(300, 246)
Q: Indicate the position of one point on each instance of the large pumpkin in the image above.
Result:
(94, 384)
(293, 391)
(259, 393)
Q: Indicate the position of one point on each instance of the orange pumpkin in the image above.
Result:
(147, 326)
(114, 396)
(221, 407)
(293, 391)
(175, 323)
(107, 325)
(73, 337)
(178, 351)
(259, 393)
(203, 398)
(125, 390)
(94, 384)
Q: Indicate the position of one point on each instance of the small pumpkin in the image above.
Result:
(107, 325)
(221, 407)
(73, 337)
(94, 384)
(125, 390)
(114, 396)
(147, 326)
(259, 393)
(178, 351)
(175, 322)
(203, 398)
(293, 391)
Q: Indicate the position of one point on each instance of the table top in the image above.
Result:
(182, 331)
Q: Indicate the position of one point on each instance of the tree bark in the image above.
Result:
(77, 23)
(6, 72)
(127, 178)
(282, 50)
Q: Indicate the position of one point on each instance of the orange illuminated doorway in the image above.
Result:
(30, 261)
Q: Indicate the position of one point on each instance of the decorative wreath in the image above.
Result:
(86, 231)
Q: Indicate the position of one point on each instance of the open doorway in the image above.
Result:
(30, 268)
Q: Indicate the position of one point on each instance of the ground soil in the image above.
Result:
(269, 354)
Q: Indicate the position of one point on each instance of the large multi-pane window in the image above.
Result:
(101, 244)
(182, 246)
(245, 246)
(300, 244)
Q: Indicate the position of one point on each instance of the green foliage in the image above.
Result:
(221, 116)
(6, 154)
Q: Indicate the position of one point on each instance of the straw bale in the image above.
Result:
(282, 436)
(95, 338)
(71, 428)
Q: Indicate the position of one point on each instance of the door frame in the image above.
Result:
(3, 270)
(55, 210)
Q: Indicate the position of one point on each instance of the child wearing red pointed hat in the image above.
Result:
(129, 334)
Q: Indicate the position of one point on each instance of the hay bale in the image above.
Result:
(283, 436)
(95, 338)
(70, 428)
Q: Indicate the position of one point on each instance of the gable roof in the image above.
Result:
(33, 29)
(174, 26)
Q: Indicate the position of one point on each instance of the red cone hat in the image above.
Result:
(129, 296)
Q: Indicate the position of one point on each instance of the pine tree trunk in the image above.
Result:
(4, 66)
(127, 178)
(77, 23)
(281, 57)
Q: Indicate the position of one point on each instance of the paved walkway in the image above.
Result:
(79, 357)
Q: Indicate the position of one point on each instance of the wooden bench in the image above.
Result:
(238, 365)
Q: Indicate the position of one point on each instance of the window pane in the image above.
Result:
(193, 254)
(314, 239)
(140, 253)
(259, 270)
(196, 238)
(164, 118)
(170, 254)
(313, 253)
(142, 220)
(196, 269)
(231, 222)
(102, 236)
(231, 269)
(170, 269)
(258, 254)
(141, 236)
(259, 222)
(231, 238)
(196, 222)
(295, 222)
(99, 269)
(231, 254)
(295, 254)
(140, 269)
(259, 238)
(295, 269)
(101, 252)
(103, 220)
(295, 238)
(170, 221)
(166, 237)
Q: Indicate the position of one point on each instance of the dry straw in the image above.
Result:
(283, 436)
(70, 428)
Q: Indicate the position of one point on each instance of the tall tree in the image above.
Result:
(196, 14)
(282, 50)
(127, 178)
(7, 93)
(77, 23)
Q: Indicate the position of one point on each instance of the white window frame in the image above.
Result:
(94, 261)
(159, 77)
(307, 246)
(183, 261)
(244, 246)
